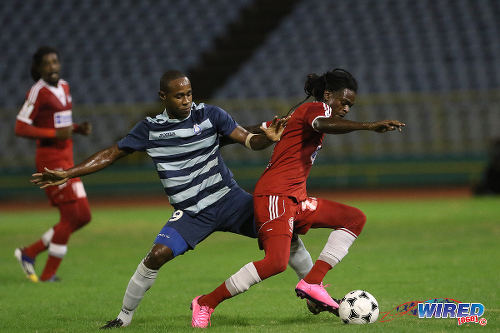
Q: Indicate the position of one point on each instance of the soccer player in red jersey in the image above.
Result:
(47, 117)
(281, 203)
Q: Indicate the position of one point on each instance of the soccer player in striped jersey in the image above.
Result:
(183, 142)
(282, 206)
(47, 117)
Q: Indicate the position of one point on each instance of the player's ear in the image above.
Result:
(326, 94)
(162, 95)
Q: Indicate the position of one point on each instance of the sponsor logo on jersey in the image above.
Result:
(165, 135)
(63, 119)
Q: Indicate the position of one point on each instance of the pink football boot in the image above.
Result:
(317, 294)
(201, 314)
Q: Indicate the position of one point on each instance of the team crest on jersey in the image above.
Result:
(197, 129)
(290, 223)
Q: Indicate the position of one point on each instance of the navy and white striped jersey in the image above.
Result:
(186, 155)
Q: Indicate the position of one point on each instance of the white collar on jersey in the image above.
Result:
(57, 91)
(174, 120)
(163, 117)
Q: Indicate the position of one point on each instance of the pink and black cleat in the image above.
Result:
(317, 294)
(201, 314)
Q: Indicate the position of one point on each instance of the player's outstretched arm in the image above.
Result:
(335, 125)
(94, 163)
(254, 129)
(259, 141)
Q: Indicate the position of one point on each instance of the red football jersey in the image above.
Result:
(293, 156)
(47, 106)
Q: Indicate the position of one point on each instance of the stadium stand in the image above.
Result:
(109, 49)
(391, 46)
(432, 63)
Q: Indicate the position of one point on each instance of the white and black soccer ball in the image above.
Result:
(358, 307)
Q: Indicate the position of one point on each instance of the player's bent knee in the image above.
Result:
(158, 256)
(358, 222)
(280, 266)
(83, 216)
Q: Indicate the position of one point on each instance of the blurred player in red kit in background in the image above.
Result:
(281, 203)
(47, 117)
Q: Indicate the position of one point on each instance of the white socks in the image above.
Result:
(140, 282)
(47, 237)
(240, 281)
(300, 259)
(336, 247)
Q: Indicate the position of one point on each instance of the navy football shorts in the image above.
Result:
(232, 213)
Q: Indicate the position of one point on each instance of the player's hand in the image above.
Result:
(387, 125)
(64, 133)
(274, 131)
(84, 128)
(49, 178)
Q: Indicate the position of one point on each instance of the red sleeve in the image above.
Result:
(316, 110)
(23, 129)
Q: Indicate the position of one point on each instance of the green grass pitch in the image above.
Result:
(408, 251)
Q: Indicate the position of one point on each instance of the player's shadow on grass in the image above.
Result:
(182, 322)
(242, 321)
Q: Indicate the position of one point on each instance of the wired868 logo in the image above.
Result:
(464, 312)
(439, 308)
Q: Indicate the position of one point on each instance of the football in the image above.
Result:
(358, 307)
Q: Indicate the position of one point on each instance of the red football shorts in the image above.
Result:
(70, 191)
(281, 215)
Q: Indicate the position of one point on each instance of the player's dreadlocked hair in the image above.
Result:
(169, 76)
(38, 58)
(334, 80)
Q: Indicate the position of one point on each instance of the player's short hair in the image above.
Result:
(334, 80)
(169, 76)
(38, 58)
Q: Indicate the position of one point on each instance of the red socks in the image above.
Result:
(50, 267)
(215, 297)
(318, 272)
(34, 249)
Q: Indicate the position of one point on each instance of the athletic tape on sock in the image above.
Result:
(47, 236)
(57, 250)
(246, 277)
(336, 247)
